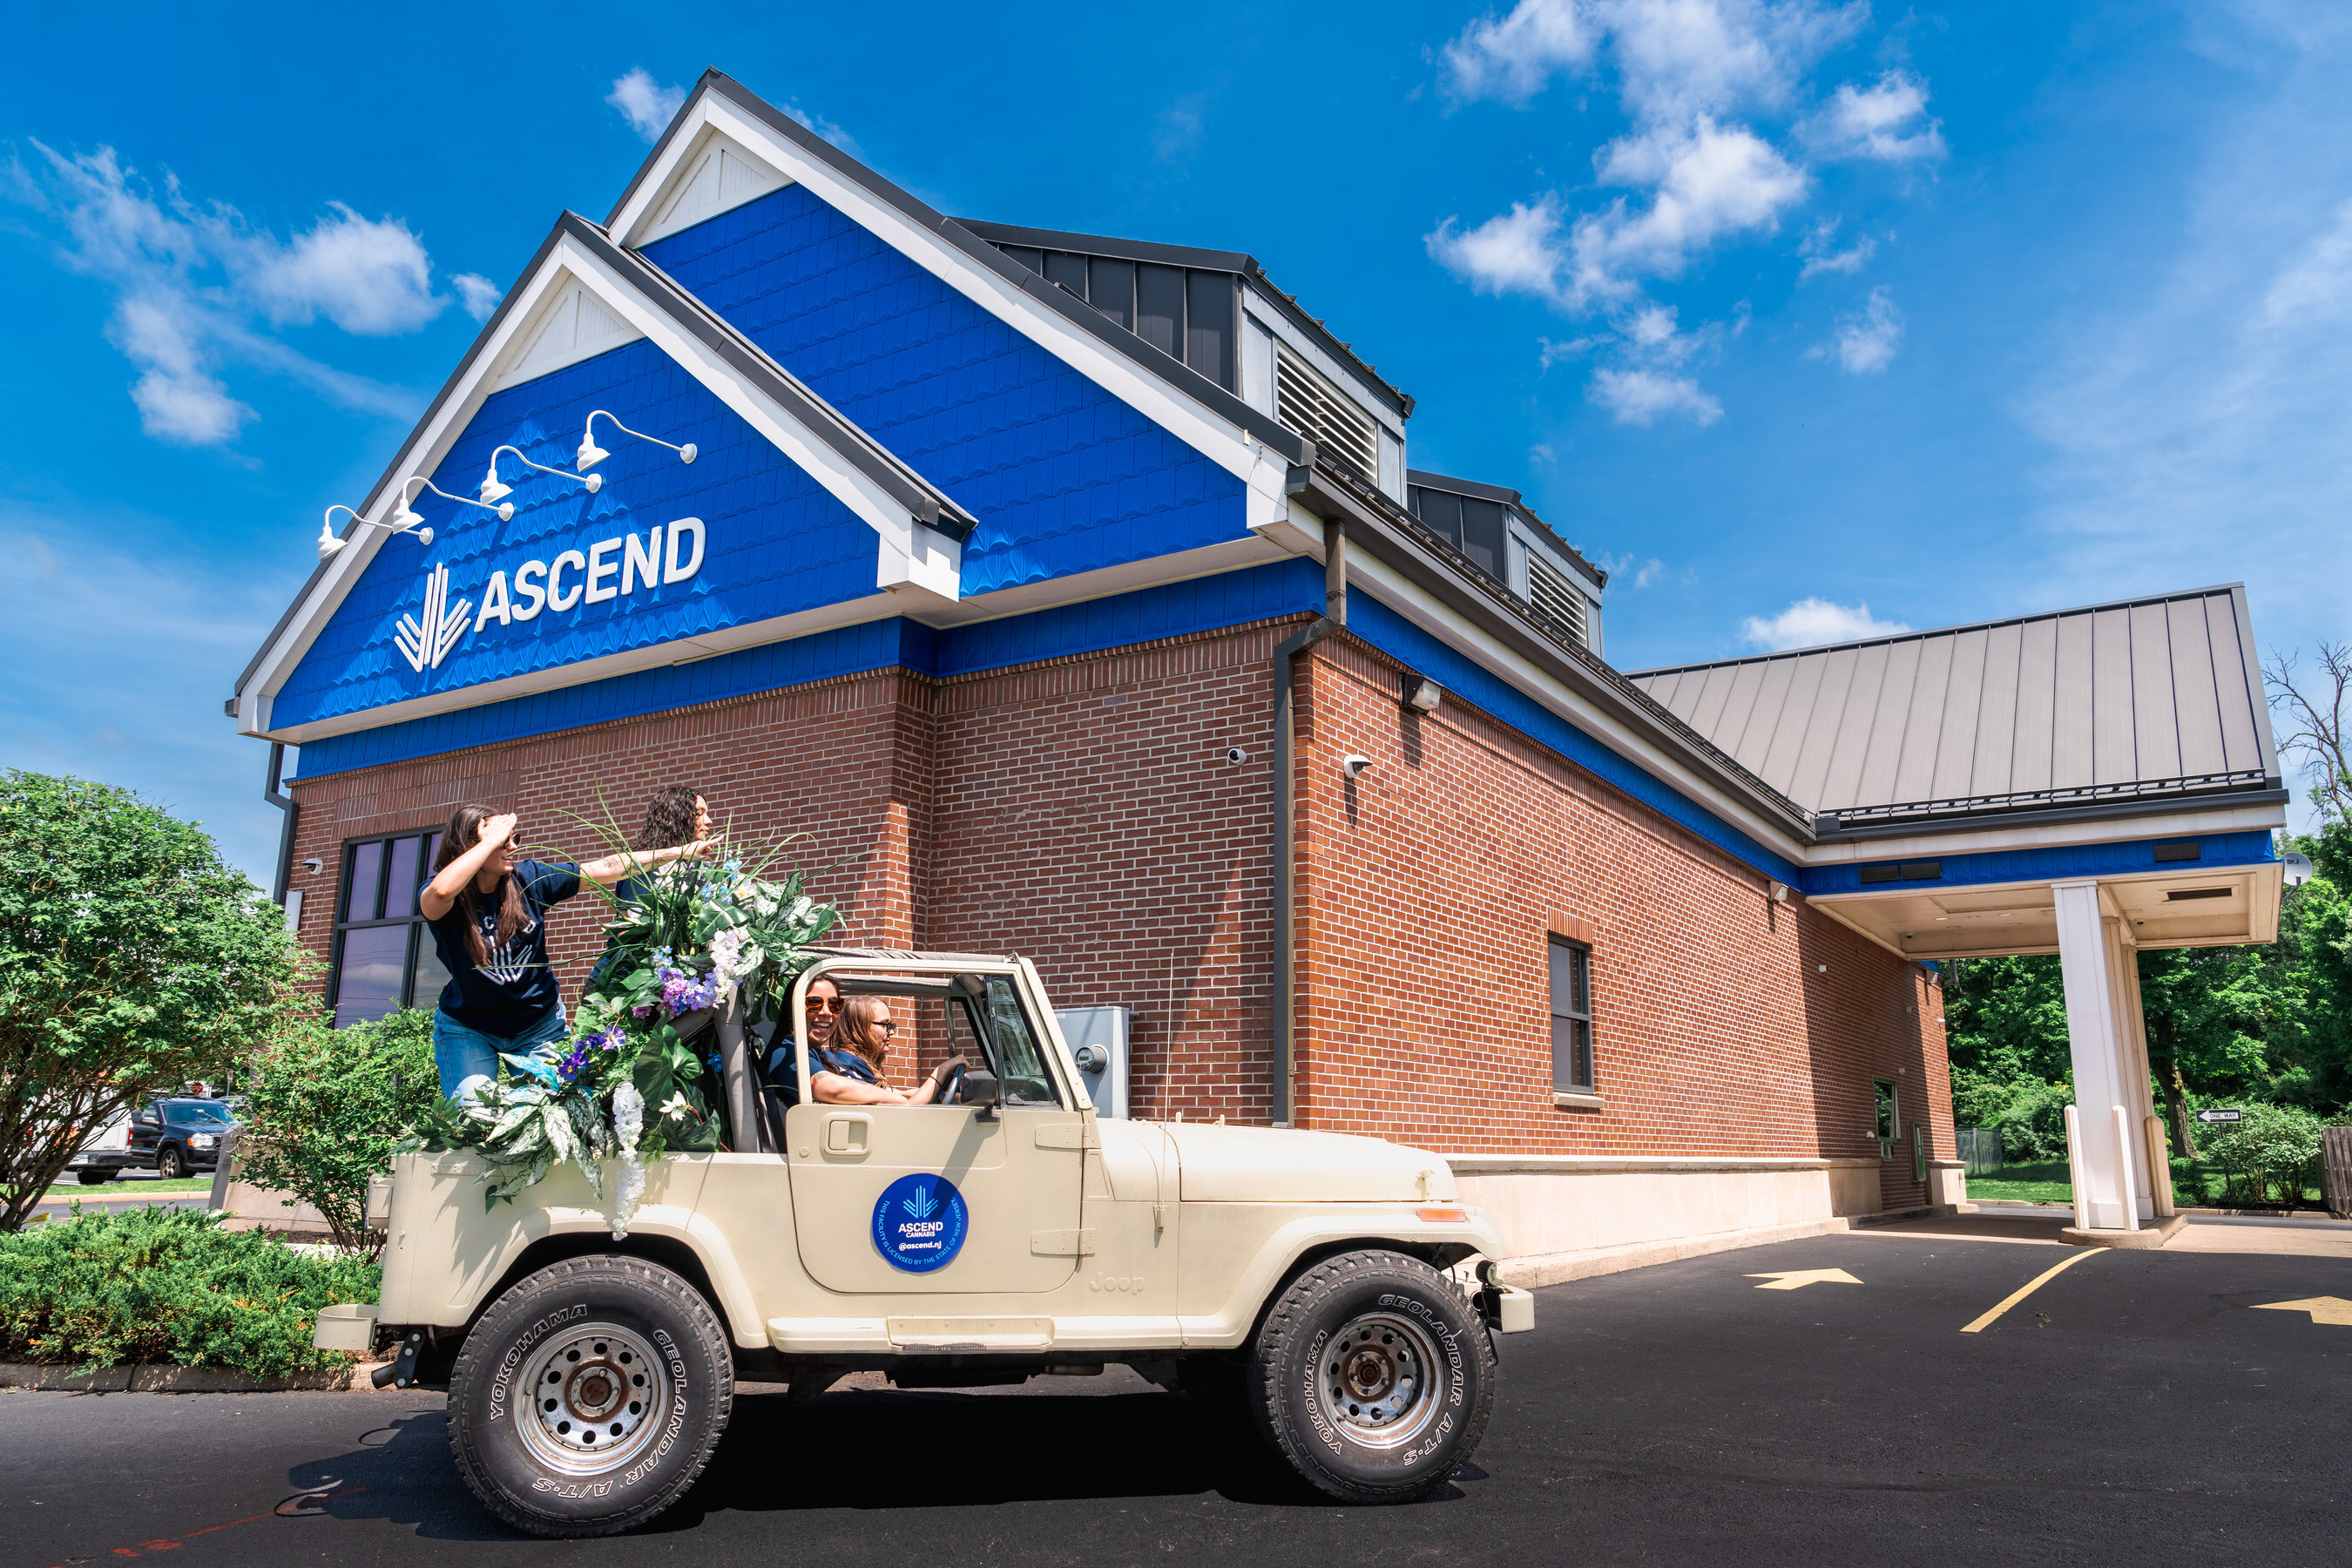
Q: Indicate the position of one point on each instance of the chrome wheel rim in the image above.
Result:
(1378, 1379)
(597, 1395)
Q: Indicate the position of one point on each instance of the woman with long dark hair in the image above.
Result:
(487, 908)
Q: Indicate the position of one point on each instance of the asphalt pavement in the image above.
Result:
(1814, 1401)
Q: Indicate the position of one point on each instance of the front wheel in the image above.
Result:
(171, 1164)
(590, 1396)
(1374, 1376)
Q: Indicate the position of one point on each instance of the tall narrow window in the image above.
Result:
(1572, 1017)
(383, 956)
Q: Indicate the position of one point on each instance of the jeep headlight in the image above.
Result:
(201, 1141)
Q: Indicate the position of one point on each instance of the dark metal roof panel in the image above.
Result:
(2109, 702)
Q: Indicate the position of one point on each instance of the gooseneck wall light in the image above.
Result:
(505, 510)
(402, 521)
(592, 454)
(493, 490)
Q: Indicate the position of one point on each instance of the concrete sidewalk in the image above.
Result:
(2278, 1237)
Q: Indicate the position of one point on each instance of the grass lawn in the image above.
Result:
(2194, 1185)
(126, 1187)
(2048, 1182)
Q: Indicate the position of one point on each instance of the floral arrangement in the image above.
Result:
(630, 1085)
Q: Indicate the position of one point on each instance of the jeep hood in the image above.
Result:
(1275, 1166)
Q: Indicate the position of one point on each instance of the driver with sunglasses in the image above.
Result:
(847, 1043)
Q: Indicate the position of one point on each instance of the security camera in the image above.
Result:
(312, 864)
(1236, 754)
(1353, 765)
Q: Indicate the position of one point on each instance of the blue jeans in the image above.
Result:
(468, 1057)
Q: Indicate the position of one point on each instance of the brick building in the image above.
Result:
(1077, 597)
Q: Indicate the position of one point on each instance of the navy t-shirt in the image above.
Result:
(515, 989)
(849, 1064)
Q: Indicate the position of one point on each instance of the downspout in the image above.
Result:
(1285, 1012)
(285, 803)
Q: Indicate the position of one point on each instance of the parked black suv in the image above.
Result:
(177, 1136)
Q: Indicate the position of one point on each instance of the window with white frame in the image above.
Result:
(1572, 1017)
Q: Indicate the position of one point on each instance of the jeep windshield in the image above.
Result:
(196, 1111)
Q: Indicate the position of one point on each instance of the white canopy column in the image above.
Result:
(2100, 961)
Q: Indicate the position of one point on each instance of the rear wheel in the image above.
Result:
(1374, 1376)
(590, 1396)
(93, 1178)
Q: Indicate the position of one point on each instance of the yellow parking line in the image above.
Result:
(2022, 1292)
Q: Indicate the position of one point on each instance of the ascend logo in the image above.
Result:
(672, 554)
(423, 646)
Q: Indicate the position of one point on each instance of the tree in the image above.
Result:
(131, 959)
(2314, 725)
(323, 1108)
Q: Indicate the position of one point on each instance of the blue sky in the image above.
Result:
(1805, 318)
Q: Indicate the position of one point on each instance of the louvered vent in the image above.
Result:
(1551, 593)
(1313, 407)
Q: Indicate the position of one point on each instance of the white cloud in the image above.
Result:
(646, 106)
(1514, 57)
(1643, 572)
(824, 128)
(1690, 75)
(370, 278)
(1708, 183)
(476, 293)
(1810, 623)
(1646, 396)
(1864, 344)
(190, 285)
(1870, 123)
(1820, 250)
(2317, 284)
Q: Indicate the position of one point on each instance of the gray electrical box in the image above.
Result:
(1097, 1037)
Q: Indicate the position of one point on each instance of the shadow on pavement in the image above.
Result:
(889, 1449)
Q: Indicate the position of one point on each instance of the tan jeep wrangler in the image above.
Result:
(1313, 1277)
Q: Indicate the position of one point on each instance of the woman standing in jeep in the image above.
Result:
(487, 908)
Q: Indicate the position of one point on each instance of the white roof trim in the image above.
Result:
(1218, 439)
(907, 553)
(571, 325)
(716, 175)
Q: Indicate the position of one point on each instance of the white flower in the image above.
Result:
(676, 1105)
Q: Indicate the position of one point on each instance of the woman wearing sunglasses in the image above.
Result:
(849, 1039)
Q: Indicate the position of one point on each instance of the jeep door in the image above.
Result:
(1019, 1171)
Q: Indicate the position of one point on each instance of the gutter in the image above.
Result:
(1286, 815)
(293, 810)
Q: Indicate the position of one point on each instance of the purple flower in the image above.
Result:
(645, 1011)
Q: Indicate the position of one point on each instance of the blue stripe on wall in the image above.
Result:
(1172, 609)
(2215, 849)
(1403, 640)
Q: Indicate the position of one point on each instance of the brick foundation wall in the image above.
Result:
(1081, 812)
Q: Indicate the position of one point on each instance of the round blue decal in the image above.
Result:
(918, 1223)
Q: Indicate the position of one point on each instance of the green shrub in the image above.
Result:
(2275, 1145)
(169, 1288)
(2033, 1124)
(323, 1108)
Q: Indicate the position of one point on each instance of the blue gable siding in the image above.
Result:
(1173, 609)
(1063, 477)
(775, 541)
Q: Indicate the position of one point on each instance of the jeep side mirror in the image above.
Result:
(979, 1090)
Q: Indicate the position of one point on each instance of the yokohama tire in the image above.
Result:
(600, 1348)
(1373, 1377)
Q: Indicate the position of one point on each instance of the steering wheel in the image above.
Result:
(951, 1086)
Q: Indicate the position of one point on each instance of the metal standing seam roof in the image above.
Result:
(2096, 707)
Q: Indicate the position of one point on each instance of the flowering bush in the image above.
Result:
(629, 1085)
